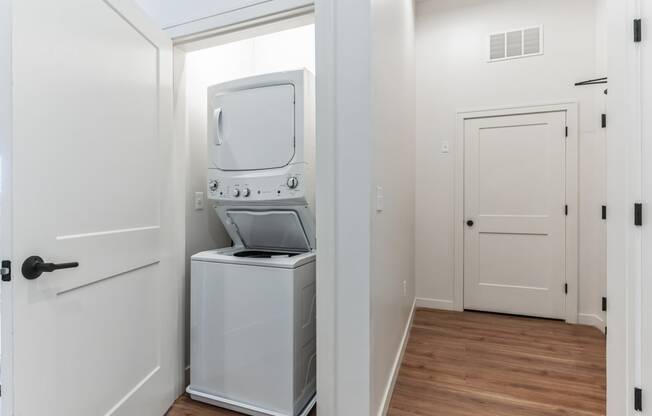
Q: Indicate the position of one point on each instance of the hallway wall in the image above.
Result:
(392, 228)
(453, 74)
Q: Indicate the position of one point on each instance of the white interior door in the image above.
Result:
(93, 182)
(253, 128)
(514, 202)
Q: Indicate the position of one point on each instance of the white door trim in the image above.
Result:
(6, 118)
(572, 193)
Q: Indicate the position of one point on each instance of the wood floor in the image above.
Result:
(477, 364)
(185, 406)
(463, 364)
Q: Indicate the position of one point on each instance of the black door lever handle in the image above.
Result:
(34, 266)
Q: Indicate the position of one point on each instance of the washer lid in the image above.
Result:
(269, 230)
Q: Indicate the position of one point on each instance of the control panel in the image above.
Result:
(264, 188)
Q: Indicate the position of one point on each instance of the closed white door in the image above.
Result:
(92, 183)
(514, 202)
(252, 129)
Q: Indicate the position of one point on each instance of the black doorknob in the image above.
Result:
(34, 266)
(469, 223)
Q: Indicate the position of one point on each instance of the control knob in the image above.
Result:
(293, 182)
(212, 185)
(246, 192)
(236, 192)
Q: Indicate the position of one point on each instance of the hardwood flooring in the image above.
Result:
(478, 364)
(185, 406)
(470, 363)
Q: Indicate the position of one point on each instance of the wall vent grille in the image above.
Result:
(518, 43)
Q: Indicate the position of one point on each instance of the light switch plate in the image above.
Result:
(444, 146)
(380, 199)
(199, 201)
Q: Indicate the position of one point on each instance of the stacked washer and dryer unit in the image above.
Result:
(253, 328)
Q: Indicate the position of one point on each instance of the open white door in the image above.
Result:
(94, 180)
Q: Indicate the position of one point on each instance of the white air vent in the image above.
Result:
(516, 43)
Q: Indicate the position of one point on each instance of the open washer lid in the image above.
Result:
(267, 230)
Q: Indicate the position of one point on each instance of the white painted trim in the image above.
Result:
(246, 16)
(591, 319)
(572, 195)
(325, 205)
(443, 304)
(396, 368)
(623, 189)
(236, 32)
(6, 130)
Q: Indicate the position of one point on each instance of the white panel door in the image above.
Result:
(514, 199)
(92, 176)
(252, 129)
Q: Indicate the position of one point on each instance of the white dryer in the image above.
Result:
(253, 328)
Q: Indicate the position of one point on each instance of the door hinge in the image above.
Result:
(603, 121)
(638, 30)
(605, 331)
(565, 209)
(638, 399)
(604, 212)
(566, 288)
(638, 214)
(5, 271)
(566, 132)
(604, 304)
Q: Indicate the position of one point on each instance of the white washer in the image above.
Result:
(252, 331)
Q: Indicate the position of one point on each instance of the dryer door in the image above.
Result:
(252, 129)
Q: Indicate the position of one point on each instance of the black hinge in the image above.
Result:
(638, 399)
(638, 30)
(566, 288)
(638, 214)
(604, 304)
(604, 212)
(603, 121)
(566, 209)
(5, 271)
(566, 131)
(605, 331)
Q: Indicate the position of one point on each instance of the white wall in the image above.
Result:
(453, 74)
(392, 229)
(194, 73)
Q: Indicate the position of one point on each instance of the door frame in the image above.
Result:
(6, 290)
(572, 196)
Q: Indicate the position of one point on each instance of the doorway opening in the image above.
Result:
(511, 184)
(202, 64)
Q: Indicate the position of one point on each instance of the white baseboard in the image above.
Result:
(435, 304)
(387, 397)
(592, 320)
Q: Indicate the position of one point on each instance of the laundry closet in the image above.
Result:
(246, 109)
